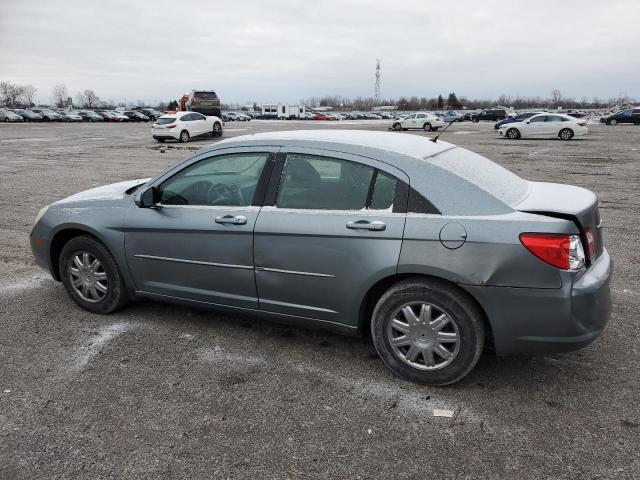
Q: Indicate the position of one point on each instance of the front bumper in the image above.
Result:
(537, 320)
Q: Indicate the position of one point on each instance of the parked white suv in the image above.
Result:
(420, 121)
(545, 125)
(183, 126)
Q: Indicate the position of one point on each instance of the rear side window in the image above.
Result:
(165, 121)
(314, 182)
(489, 176)
(554, 118)
(322, 183)
(541, 118)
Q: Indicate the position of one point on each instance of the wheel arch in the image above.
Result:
(61, 237)
(374, 293)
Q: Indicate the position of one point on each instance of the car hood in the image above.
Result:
(510, 124)
(114, 191)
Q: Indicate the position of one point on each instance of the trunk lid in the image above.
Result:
(576, 204)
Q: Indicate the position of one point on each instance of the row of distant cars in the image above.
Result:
(62, 115)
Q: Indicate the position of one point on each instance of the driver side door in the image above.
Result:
(196, 242)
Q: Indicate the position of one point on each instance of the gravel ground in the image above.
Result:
(158, 391)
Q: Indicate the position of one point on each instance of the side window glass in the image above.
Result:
(225, 180)
(322, 183)
(627, 112)
(384, 192)
(554, 118)
(541, 118)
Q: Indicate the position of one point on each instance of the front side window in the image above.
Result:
(628, 112)
(541, 118)
(225, 180)
(314, 182)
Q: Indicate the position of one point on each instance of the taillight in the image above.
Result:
(582, 123)
(591, 242)
(560, 250)
(172, 126)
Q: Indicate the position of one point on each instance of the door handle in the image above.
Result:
(376, 225)
(231, 220)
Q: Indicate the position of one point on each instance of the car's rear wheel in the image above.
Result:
(91, 276)
(217, 129)
(397, 127)
(566, 134)
(613, 121)
(184, 136)
(428, 331)
(427, 127)
(6, 120)
(513, 134)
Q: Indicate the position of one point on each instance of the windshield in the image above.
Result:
(205, 95)
(491, 177)
(165, 121)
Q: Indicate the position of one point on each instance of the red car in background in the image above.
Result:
(321, 116)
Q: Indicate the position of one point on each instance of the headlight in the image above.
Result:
(41, 213)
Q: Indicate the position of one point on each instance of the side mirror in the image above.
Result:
(527, 121)
(146, 198)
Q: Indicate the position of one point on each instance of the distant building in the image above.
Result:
(384, 108)
(283, 110)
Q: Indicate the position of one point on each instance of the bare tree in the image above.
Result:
(29, 94)
(11, 93)
(556, 97)
(88, 99)
(60, 95)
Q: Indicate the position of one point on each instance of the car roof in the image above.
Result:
(408, 145)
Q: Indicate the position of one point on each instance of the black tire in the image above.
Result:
(427, 127)
(6, 120)
(116, 296)
(565, 134)
(161, 140)
(612, 122)
(217, 130)
(184, 136)
(446, 298)
(397, 127)
(475, 120)
(512, 134)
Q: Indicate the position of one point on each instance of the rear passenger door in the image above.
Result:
(331, 226)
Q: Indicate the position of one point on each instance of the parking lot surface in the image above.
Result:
(158, 391)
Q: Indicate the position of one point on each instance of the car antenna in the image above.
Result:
(435, 139)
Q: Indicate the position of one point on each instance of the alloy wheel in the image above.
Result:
(423, 336)
(88, 277)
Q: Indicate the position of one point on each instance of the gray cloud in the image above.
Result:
(289, 49)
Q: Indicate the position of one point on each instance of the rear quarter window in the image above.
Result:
(504, 185)
(165, 121)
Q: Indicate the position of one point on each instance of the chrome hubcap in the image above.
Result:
(88, 277)
(423, 336)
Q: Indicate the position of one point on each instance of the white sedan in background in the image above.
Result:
(545, 125)
(183, 126)
(418, 121)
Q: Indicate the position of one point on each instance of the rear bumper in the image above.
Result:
(534, 321)
(166, 133)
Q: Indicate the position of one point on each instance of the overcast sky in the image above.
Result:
(285, 50)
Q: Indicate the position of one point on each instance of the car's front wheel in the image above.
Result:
(217, 129)
(613, 121)
(513, 134)
(184, 136)
(566, 134)
(91, 276)
(397, 127)
(428, 331)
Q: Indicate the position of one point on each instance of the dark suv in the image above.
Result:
(492, 114)
(630, 115)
